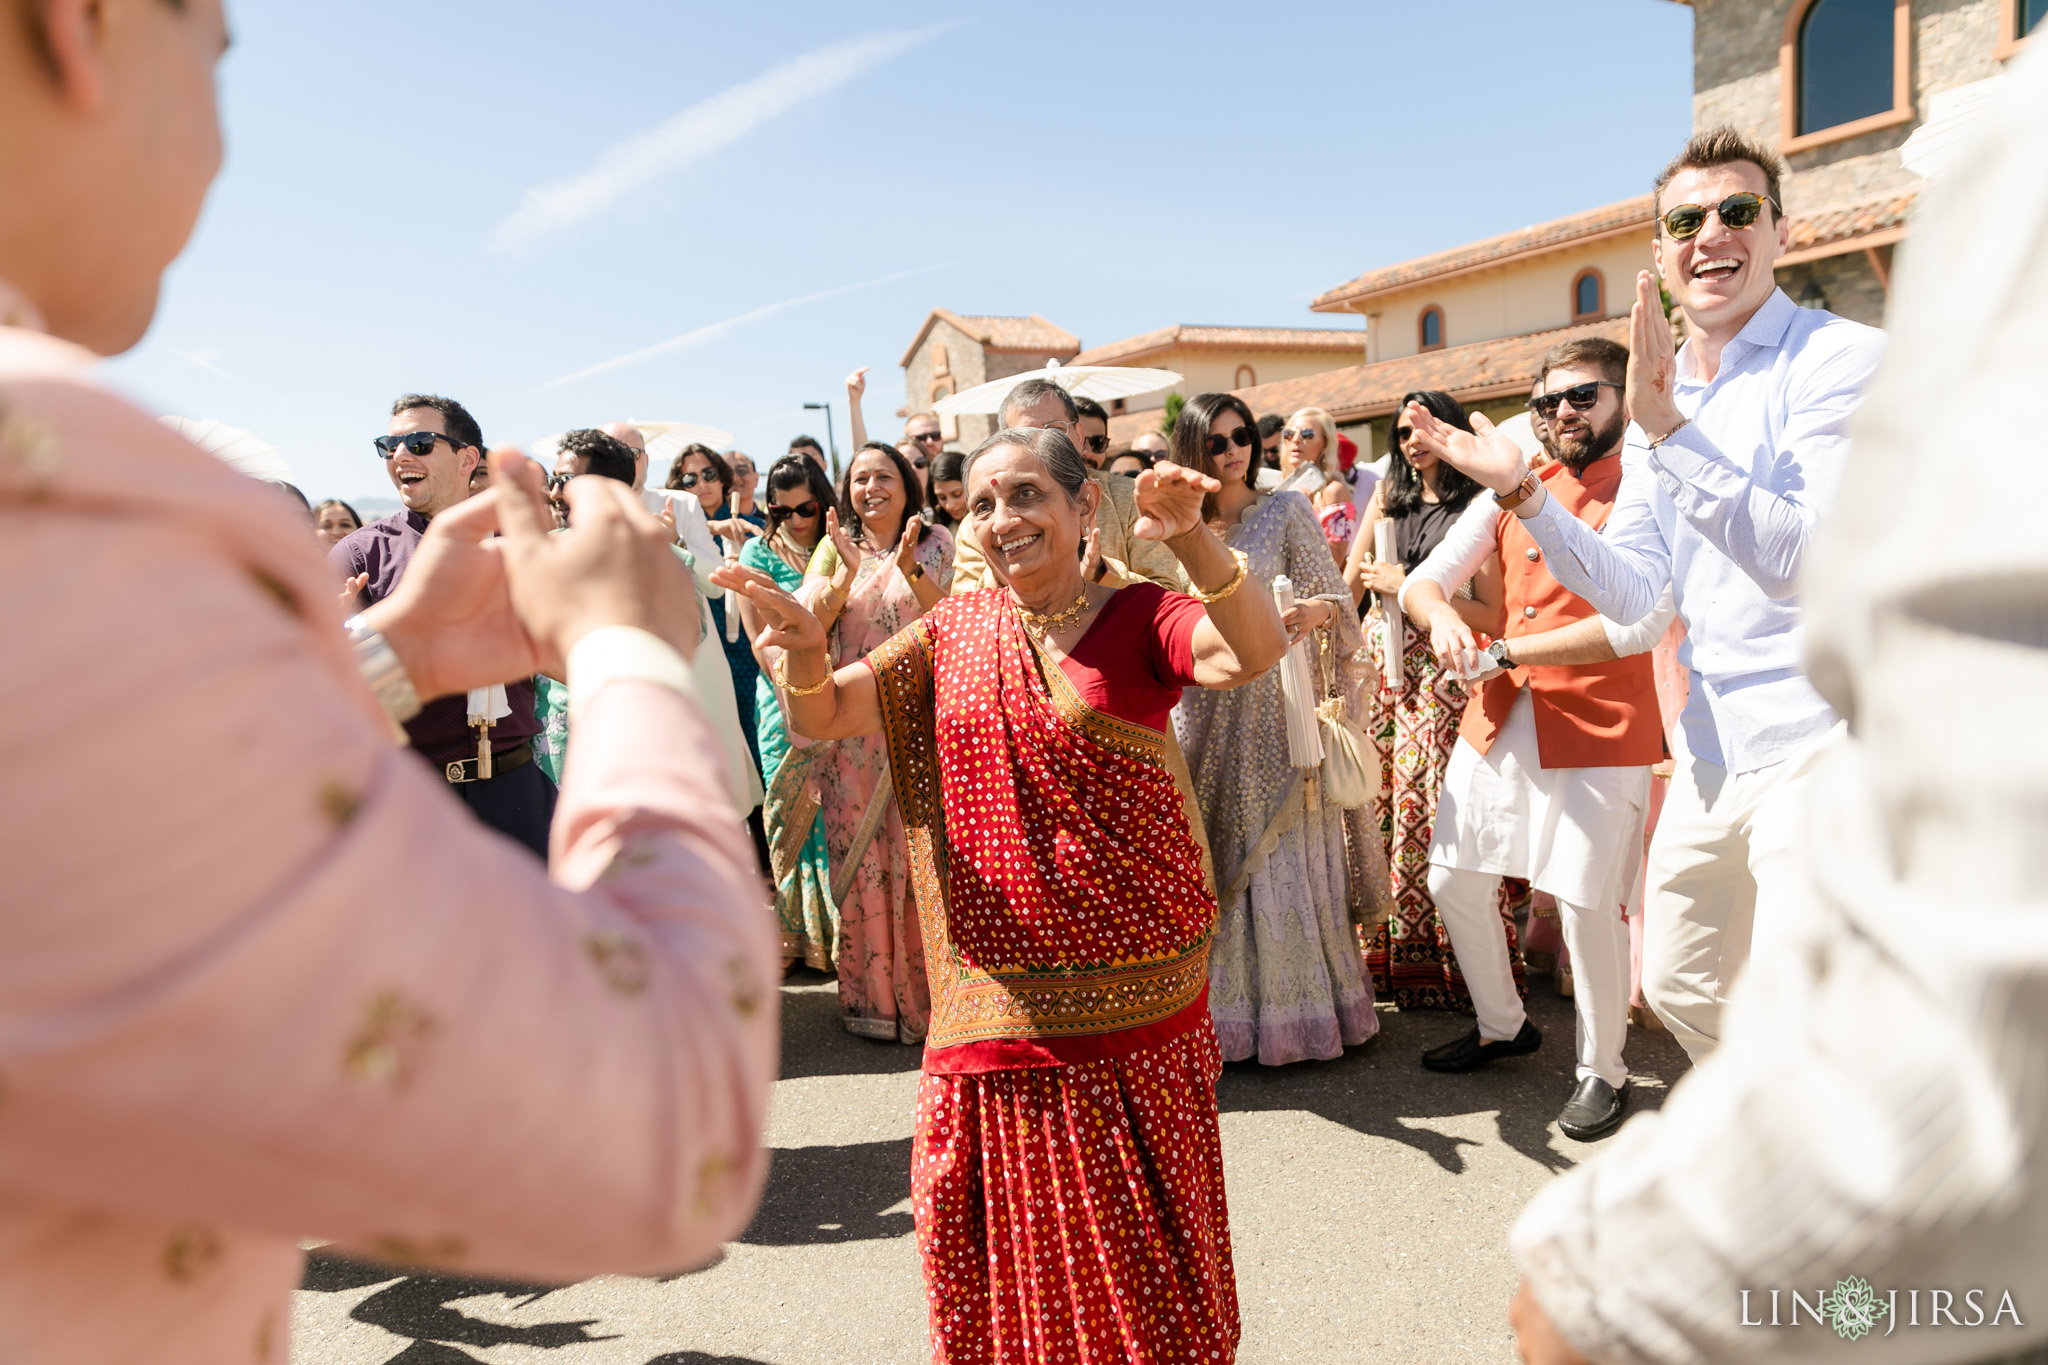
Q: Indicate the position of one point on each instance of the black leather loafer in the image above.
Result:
(1594, 1110)
(1472, 1052)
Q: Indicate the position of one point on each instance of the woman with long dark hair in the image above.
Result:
(703, 471)
(799, 497)
(1285, 980)
(1416, 720)
(878, 569)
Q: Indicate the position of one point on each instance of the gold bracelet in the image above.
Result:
(1244, 566)
(781, 675)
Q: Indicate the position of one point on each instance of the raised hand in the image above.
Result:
(1483, 453)
(612, 567)
(785, 622)
(1169, 500)
(842, 540)
(857, 384)
(351, 590)
(1652, 362)
(906, 544)
(1091, 554)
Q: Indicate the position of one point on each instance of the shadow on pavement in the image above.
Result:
(1376, 1085)
(815, 1043)
(821, 1195)
(417, 1306)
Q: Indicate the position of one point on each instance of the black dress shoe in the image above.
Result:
(1472, 1052)
(1594, 1110)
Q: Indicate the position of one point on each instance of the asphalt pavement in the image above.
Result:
(1369, 1206)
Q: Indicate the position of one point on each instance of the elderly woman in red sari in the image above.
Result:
(1066, 1178)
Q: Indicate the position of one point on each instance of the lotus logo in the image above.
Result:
(1853, 1309)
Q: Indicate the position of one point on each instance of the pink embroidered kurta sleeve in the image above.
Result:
(262, 979)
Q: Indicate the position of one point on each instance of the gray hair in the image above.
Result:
(1027, 394)
(1054, 451)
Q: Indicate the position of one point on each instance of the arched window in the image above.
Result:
(1246, 378)
(1589, 296)
(1845, 68)
(1429, 329)
(941, 388)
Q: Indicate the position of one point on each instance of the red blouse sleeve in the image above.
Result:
(1174, 618)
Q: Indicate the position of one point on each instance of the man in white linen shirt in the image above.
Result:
(1550, 778)
(1736, 452)
(1876, 1112)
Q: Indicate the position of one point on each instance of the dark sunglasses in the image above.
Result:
(1095, 445)
(557, 481)
(778, 513)
(920, 462)
(1737, 211)
(1401, 435)
(418, 444)
(688, 481)
(1580, 396)
(927, 436)
(1216, 442)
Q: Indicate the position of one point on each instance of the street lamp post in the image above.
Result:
(831, 441)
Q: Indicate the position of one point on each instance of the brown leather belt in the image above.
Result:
(502, 762)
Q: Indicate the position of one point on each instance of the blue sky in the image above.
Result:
(493, 201)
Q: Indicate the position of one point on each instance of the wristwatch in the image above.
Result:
(381, 669)
(916, 569)
(1524, 491)
(1498, 652)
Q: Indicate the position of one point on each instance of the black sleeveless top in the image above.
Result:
(1420, 531)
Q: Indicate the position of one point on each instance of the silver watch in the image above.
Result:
(1498, 652)
(379, 665)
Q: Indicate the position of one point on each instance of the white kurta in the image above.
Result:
(1574, 832)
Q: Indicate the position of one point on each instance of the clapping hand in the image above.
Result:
(1483, 453)
(1169, 499)
(786, 623)
(1652, 362)
(906, 544)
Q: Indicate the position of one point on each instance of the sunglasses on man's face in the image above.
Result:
(556, 482)
(1217, 442)
(1095, 445)
(1737, 211)
(778, 513)
(924, 437)
(418, 444)
(1582, 397)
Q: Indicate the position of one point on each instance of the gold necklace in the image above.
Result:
(1041, 625)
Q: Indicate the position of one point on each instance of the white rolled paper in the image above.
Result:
(1298, 692)
(1396, 642)
(732, 599)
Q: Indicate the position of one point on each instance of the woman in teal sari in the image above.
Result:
(798, 496)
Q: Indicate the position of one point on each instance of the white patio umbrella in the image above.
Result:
(1521, 429)
(1103, 383)
(242, 451)
(665, 440)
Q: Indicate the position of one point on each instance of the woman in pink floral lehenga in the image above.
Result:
(865, 584)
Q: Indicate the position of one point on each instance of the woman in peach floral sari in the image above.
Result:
(879, 568)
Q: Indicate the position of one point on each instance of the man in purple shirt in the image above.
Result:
(430, 452)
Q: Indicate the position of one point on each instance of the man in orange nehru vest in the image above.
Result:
(1550, 778)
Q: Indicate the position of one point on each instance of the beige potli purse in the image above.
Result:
(1351, 761)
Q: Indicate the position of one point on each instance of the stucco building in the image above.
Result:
(955, 351)
(1214, 358)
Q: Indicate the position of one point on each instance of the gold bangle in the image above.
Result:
(1244, 566)
(781, 675)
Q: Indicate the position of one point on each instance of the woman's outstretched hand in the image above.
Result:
(906, 545)
(1483, 453)
(1169, 501)
(785, 622)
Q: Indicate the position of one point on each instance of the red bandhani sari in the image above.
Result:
(1066, 1177)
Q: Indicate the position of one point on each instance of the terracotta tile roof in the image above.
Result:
(1033, 334)
(1829, 231)
(1484, 369)
(1629, 215)
(1133, 349)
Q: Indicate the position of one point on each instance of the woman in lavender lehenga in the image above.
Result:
(1285, 979)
